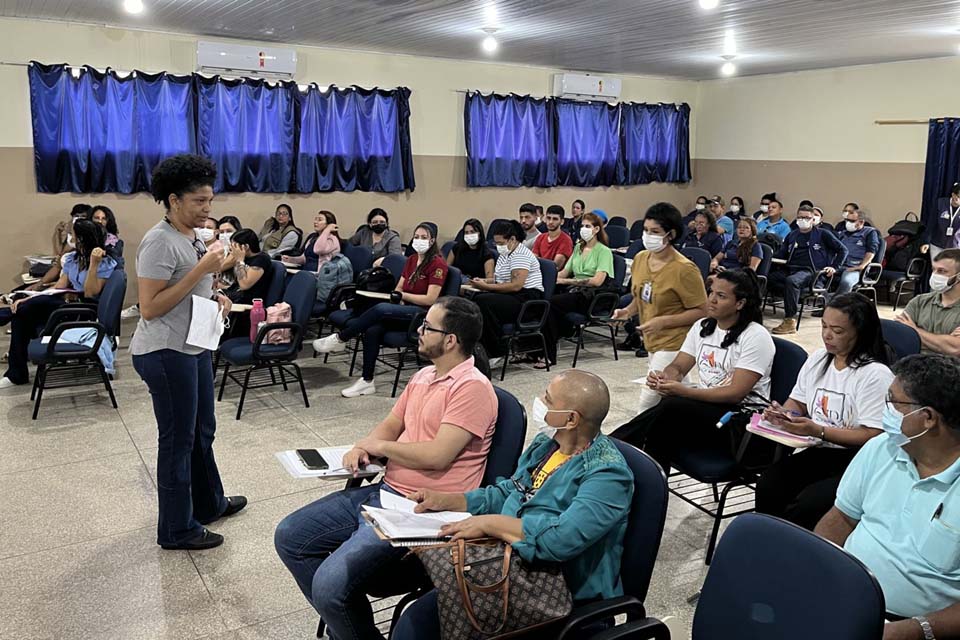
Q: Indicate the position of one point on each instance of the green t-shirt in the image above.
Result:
(928, 312)
(600, 258)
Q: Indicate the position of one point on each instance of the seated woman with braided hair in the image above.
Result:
(734, 355)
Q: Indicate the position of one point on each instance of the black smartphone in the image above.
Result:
(312, 459)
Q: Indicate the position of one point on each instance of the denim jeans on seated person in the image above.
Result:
(188, 481)
(334, 555)
(372, 324)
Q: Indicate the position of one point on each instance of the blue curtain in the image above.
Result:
(656, 145)
(588, 144)
(247, 128)
(101, 133)
(941, 171)
(354, 139)
(509, 140)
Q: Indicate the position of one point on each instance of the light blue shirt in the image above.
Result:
(781, 228)
(909, 529)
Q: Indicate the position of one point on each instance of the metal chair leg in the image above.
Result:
(396, 378)
(613, 343)
(717, 519)
(576, 353)
(36, 381)
(41, 381)
(243, 391)
(223, 381)
(303, 389)
(283, 379)
(353, 361)
(106, 383)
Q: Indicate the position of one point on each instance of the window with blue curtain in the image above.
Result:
(588, 144)
(354, 139)
(656, 143)
(99, 132)
(509, 141)
(247, 128)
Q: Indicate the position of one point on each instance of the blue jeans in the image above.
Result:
(188, 482)
(334, 556)
(848, 279)
(792, 285)
(372, 324)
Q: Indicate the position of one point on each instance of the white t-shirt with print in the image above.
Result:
(843, 399)
(753, 351)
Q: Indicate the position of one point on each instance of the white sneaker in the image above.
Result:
(7, 383)
(359, 388)
(496, 362)
(331, 344)
(130, 312)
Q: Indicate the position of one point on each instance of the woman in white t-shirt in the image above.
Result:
(839, 398)
(733, 354)
(516, 280)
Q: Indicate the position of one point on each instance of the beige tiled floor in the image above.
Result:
(78, 508)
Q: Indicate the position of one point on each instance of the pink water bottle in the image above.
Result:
(258, 315)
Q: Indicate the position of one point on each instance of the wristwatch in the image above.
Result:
(927, 629)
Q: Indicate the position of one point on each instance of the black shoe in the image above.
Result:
(817, 313)
(642, 353)
(234, 504)
(206, 540)
(630, 343)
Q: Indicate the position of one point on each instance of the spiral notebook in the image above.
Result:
(396, 522)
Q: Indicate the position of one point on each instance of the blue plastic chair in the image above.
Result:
(744, 594)
(700, 257)
(394, 263)
(617, 236)
(71, 359)
(904, 340)
(275, 358)
(532, 317)
(712, 467)
(278, 280)
(763, 269)
(636, 229)
(636, 246)
(361, 258)
(617, 221)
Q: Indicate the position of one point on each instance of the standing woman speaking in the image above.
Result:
(173, 265)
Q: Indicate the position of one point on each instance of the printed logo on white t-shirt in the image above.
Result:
(711, 363)
(829, 407)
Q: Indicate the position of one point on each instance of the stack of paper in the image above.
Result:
(397, 522)
(333, 456)
(770, 431)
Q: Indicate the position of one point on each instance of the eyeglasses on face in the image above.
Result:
(425, 327)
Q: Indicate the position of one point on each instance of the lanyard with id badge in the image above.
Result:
(646, 292)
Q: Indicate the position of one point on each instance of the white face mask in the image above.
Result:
(700, 207)
(764, 208)
(845, 214)
(654, 243)
(539, 415)
(471, 239)
(804, 224)
(206, 235)
(816, 220)
(586, 234)
(503, 249)
(735, 208)
(939, 282)
(70, 242)
(851, 227)
(225, 237)
(420, 245)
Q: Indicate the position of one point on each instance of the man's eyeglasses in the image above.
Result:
(891, 403)
(425, 326)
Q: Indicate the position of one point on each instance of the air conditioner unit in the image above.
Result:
(243, 59)
(586, 86)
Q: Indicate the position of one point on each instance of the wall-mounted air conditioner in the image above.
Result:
(241, 59)
(586, 86)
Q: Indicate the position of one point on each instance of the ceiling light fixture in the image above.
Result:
(728, 69)
(133, 6)
(729, 45)
(709, 4)
(490, 44)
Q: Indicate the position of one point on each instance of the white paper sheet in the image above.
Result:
(334, 459)
(393, 502)
(206, 324)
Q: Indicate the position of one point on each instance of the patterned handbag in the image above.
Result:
(485, 592)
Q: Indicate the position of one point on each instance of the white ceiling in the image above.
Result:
(659, 37)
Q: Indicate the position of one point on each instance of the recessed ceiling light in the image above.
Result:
(728, 69)
(133, 6)
(709, 4)
(490, 44)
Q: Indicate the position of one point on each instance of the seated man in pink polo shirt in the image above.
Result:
(437, 436)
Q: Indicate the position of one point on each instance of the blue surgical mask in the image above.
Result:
(893, 426)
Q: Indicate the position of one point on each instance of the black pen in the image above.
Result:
(936, 514)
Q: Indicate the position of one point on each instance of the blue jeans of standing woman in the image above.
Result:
(188, 482)
(335, 557)
(372, 324)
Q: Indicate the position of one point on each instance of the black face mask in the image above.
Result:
(378, 228)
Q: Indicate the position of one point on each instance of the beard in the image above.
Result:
(430, 353)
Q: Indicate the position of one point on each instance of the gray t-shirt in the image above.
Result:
(167, 254)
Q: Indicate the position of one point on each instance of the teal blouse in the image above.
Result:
(577, 518)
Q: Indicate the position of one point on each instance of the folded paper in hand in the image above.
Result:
(770, 431)
(206, 324)
(396, 520)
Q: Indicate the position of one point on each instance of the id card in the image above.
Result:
(950, 231)
(646, 293)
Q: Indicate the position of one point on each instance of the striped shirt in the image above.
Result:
(519, 258)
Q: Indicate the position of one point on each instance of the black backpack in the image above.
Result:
(772, 240)
(376, 280)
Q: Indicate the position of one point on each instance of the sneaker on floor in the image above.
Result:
(496, 362)
(130, 312)
(7, 383)
(331, 344)
(359, 388)
(789, 325)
